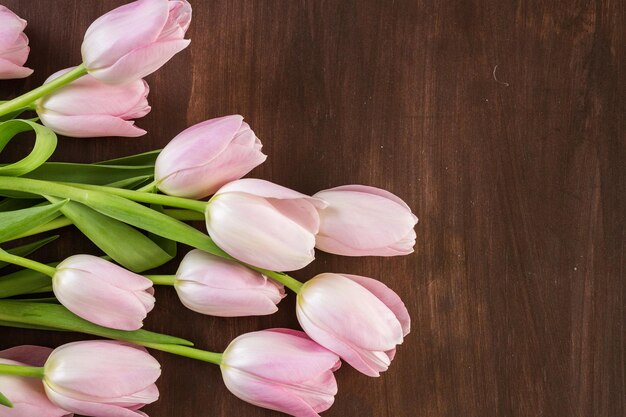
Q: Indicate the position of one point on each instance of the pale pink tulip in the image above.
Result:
(212, 285)
(13, 46)
(102, 292)
(365, 221)
(27, 394)
(204, 157)
(90, 108)
(358, 318)
(264, 224)
(101, 378)
(282, 370)
(135, 39)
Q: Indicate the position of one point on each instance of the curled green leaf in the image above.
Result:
(45, 144)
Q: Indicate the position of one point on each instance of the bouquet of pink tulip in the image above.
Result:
(254, 229)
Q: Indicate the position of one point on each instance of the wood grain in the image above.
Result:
(500, 123)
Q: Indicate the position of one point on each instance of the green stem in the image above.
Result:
(148, 188)
(150, 198)
(162, 279)
(26, 263)
(188, 352)
(59, 222)
(26, 99)
(19, 370)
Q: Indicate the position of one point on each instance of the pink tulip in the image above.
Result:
(201, 159)
(101, 378)
(27, 394)
(264, 224)
(102, 292)
(90, 108)
(365, 221)
(212, 285)
(358, 318)
(135, 39)
(282, 370)
(13, 46)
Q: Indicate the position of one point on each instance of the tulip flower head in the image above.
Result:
(264, 224)
(135, 39)
(282, 370)
(215, 286)
(102, 292)
(13, 46)
(27, 394)
(101, 378)
(90, 108)
(204, 157)
(365, 221)
(358, 318)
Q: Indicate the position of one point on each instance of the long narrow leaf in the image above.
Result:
(88, 173)
(4, 401)
(14, 223)
(145, 158)
(45, 144)
(125, 244)
(58, 317)
(25, 281)
(29, 248)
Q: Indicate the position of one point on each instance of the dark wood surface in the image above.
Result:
(501, 123)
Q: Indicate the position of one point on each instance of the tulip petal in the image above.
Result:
(267, 189)
(90, 126)
(356, 357)
(89, 408)
(128, 27)
(257, 356)
(357, 223)
(140, 62)
(115, 275)
(28, 354)
(99, 302)
(101, 369)
(387, 296)
(233, 222)
(87, 95)
(264, 394)
(346, 308)
(9, 70)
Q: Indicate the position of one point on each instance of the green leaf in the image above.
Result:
(5, 401)
(25, 281)
(145, 158)
(88, 173)
(125, 244)
(58, 317)
(29, 248)
(10, 204)
(14, 223)
(45, 144)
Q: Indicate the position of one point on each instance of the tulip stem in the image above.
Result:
(143, 197)
(188, 352)
(27, 263)
(26, 99)
(162, 279)
(19, 370)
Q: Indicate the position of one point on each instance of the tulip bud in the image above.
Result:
(13, 46)
(212, 285)
(365, 221)
(204, 157)
(264, 224)
(358, 318)
(102, 292)
(135, 39)
(90, 108)
(101, 378)
(282, 370)
(27, 394)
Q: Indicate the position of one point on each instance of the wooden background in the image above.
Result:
(501, 123)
